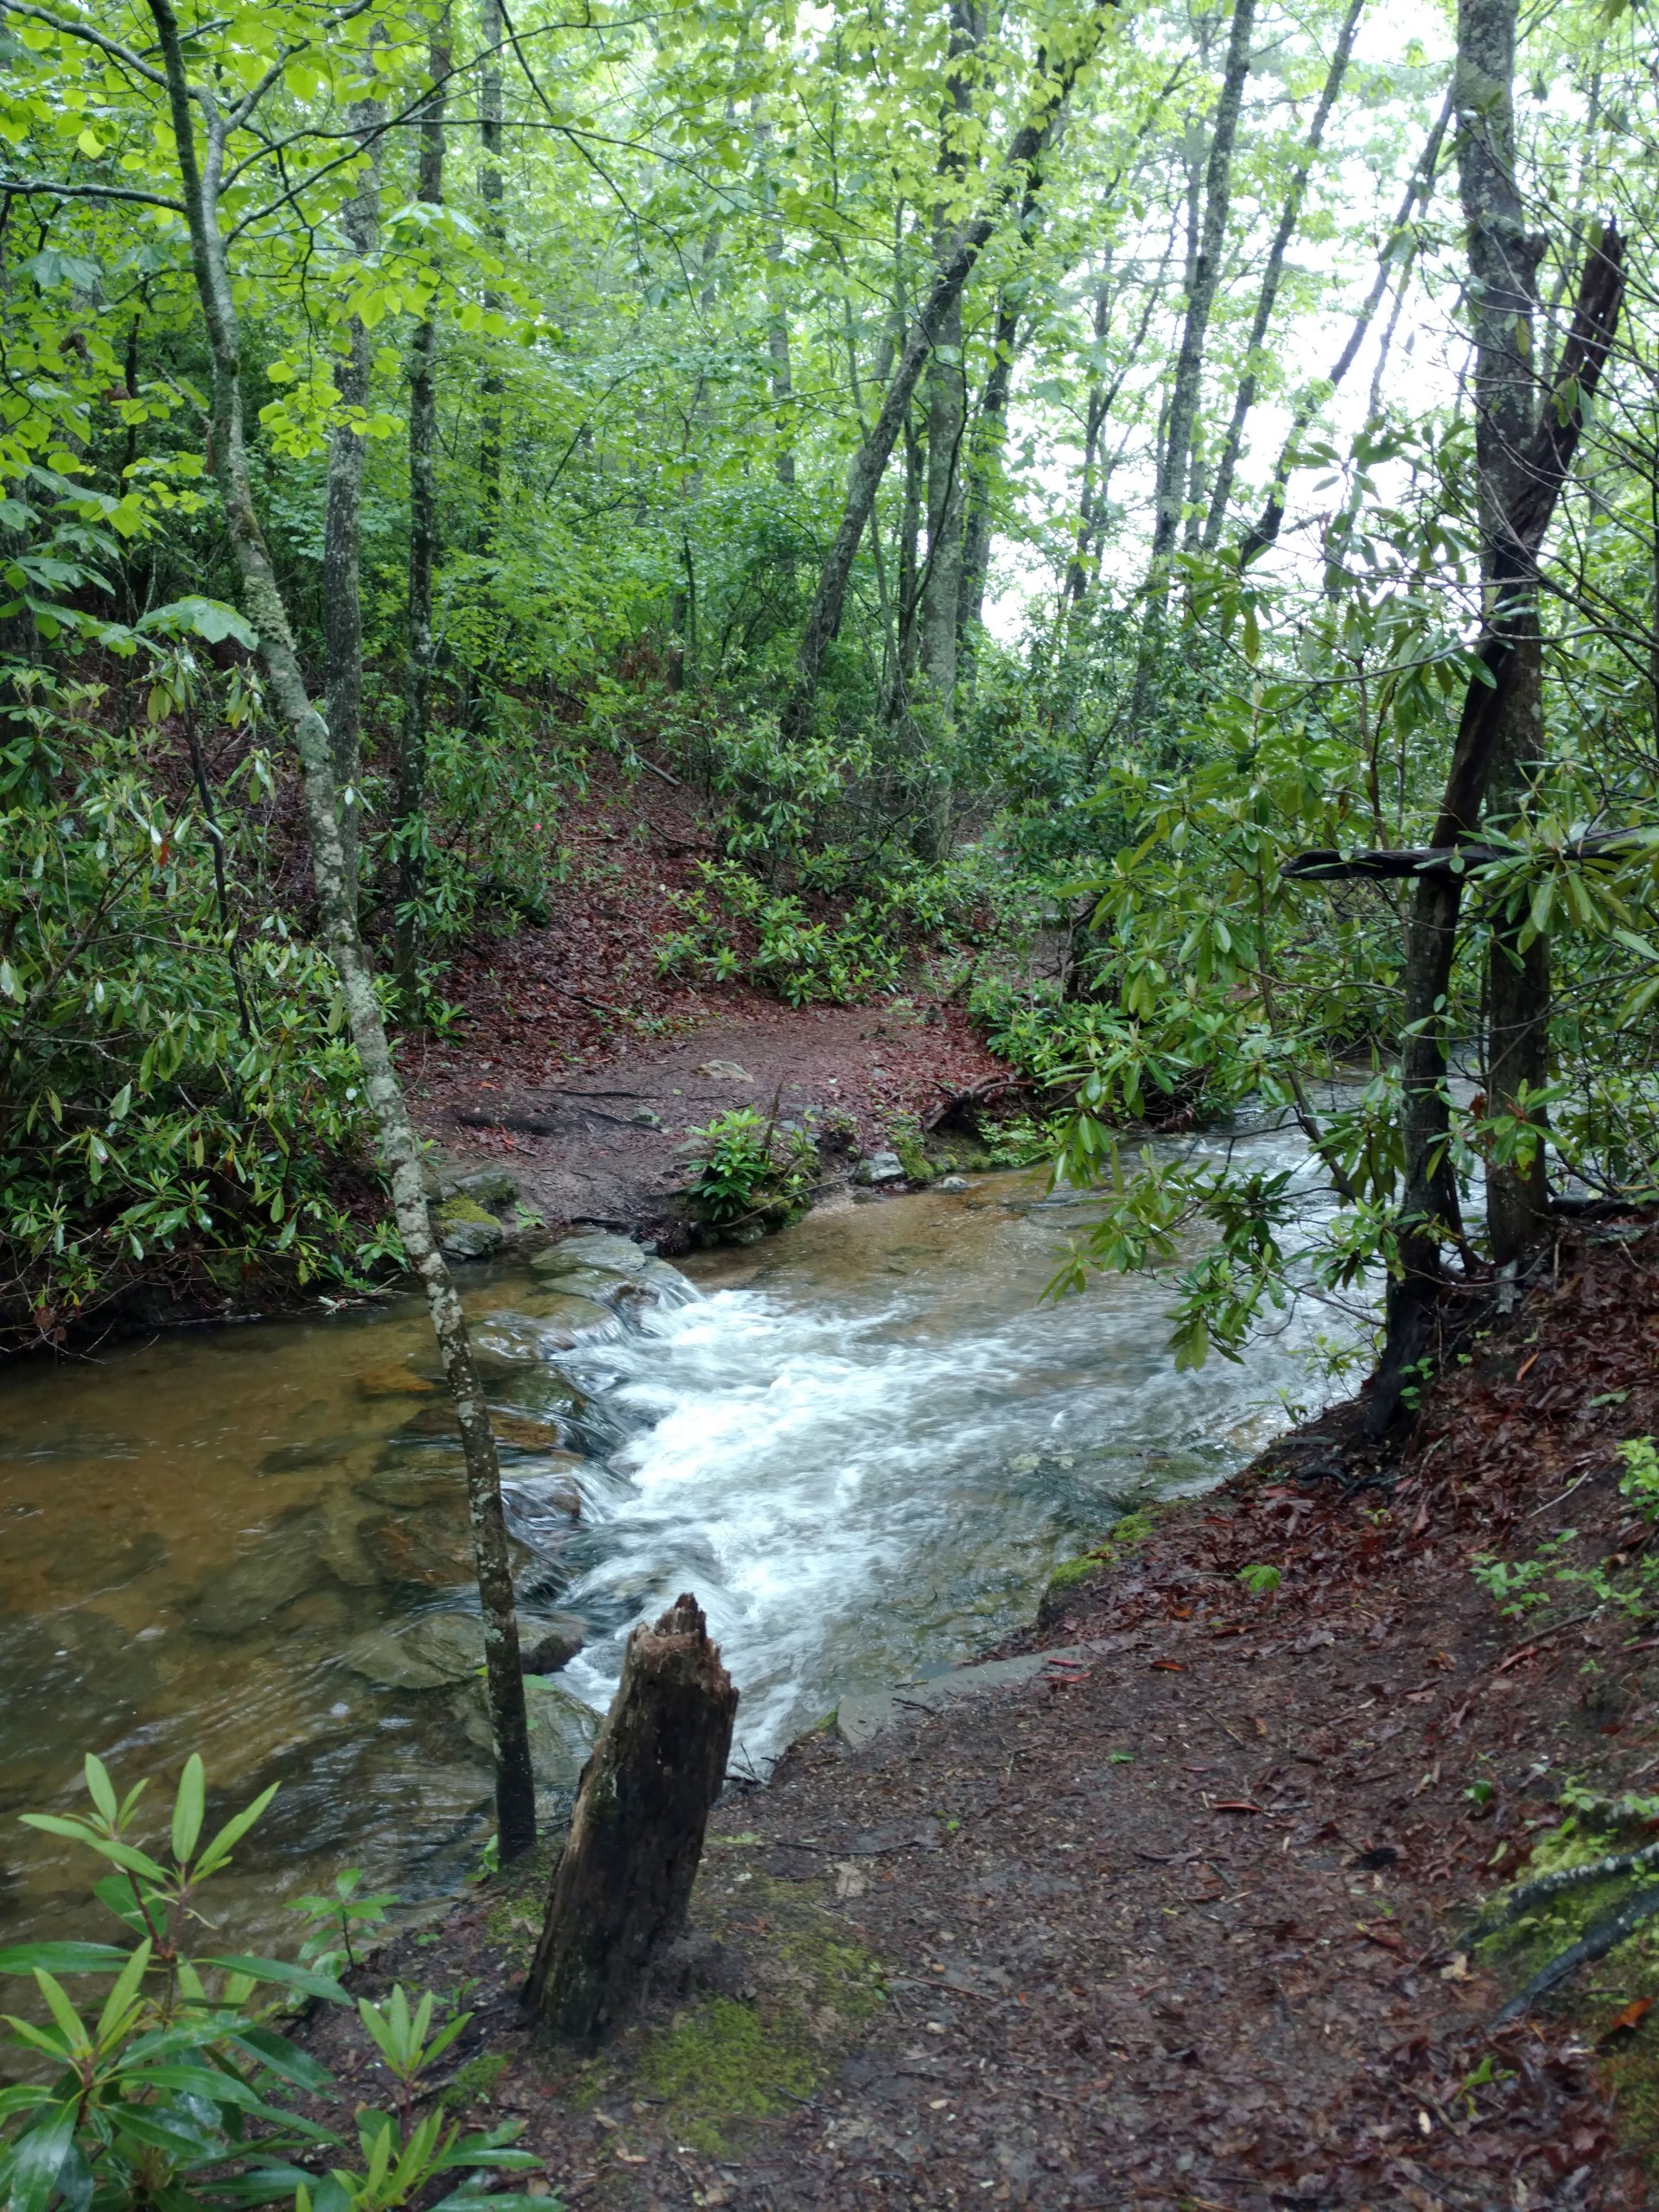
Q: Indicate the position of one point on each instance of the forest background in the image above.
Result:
(1064, 474)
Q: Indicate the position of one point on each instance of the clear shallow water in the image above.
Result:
(863, 1445)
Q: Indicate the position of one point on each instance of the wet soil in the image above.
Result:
(1179, 1922)
(568, 1030)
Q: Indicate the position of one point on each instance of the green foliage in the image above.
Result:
(332, 1916)
(180, 1093)
(177, 2092)
(1261, 1580)
(1519, 1586)
(751, 1174)
(736, 928)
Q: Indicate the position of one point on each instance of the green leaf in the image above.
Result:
(188, 1806)
(233, 1833)
(64, 1958)
(203, 618)
(279, 1971)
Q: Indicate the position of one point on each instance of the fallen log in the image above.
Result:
(622, 1888)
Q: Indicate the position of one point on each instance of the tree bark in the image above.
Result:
(492, 29)
(409, 838)
(623, 1885)
(1290, 215)
(342, 537)
(1534, 477)
(1264, 532)
(864, 474)
(984, 469)
(398, 1145)
(1517, 977)
(1202, 284)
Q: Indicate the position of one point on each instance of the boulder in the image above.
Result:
(879, 1168)
(952, 1183)
(545, 1646)
(465, 1230)
(487, 1186)
(618, 1256)
(567, 1318)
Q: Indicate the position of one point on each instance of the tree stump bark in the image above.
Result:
(623, 1885)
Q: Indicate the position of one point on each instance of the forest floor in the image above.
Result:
(568, 1027)
(1177, 1922)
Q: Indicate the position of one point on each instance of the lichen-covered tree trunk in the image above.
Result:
(342, 602)
(412, 744)
(623, 1884)
(398, 1145)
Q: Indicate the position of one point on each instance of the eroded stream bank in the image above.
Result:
(865, 1444)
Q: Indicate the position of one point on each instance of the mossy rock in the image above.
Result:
(465, 1230)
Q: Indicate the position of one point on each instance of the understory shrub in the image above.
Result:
(182, 1105)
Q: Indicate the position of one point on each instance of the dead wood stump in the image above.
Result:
(623, 1886)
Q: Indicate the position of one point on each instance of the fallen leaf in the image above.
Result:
(1167, 1666)
(1237, 1805)
(1630, 2018)
(1457, 1968)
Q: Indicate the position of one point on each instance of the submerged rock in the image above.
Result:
(465, 1230)
(394, 1380)
(952, 1183)
(438, 1648)
(567, 1315)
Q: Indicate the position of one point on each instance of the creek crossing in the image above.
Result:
(863, 1444)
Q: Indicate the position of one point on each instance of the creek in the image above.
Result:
(864, 1444)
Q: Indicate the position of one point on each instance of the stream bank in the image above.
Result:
(1176, 1919)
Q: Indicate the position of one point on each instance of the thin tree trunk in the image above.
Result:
(413, 738)
(1264, 531)
(399, 1147)
(343, 536)
(1290, 215)
(782, 383)
(492, 31)
(623, 1884)
(984, 469)
(865, 472)
(1189, 361)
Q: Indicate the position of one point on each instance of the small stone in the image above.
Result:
(952, 1183)
(724, 1071)
(556, 1646)
(642, 1118)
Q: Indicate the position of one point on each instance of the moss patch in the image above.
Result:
(474, 2083)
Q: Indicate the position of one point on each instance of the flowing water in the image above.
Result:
(863, 1445)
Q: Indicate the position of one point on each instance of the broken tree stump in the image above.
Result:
(623, 1885)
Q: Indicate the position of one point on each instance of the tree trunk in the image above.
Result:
(1244, 398)
(398, 1145)
(342, 538)
(1204, 278)
(411, 835)
(491, 30)
(782, 383)
(1518, 980)
(623, 1886)
(1264, 532)
(983, 471)
(1518, 517)
(864, 473)
(942, 580)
